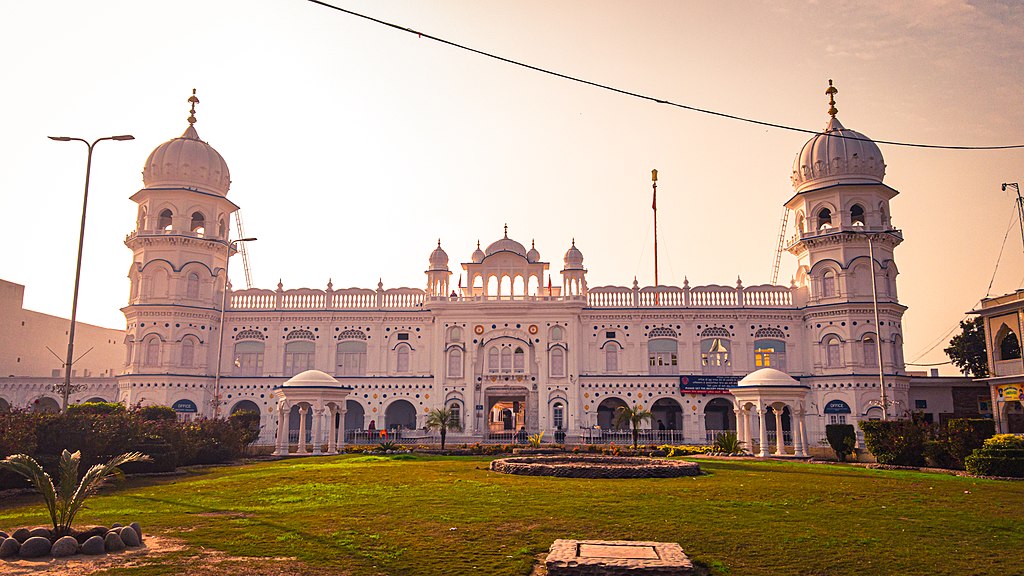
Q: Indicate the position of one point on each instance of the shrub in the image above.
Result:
(965, 435)
(157, 413)
(685, 450)
(248, 423)
(728, 443)
(842, 438)
(212, 441)
(96, 408)
(1000, 455)
(936, 454)
(898, 442)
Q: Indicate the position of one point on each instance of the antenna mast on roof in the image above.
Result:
(243, 250)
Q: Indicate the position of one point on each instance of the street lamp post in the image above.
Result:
(66, 386)
(1020, 207)
(229, 246)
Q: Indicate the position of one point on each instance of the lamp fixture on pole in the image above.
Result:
(65, 387)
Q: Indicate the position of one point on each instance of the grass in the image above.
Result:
(436, 515)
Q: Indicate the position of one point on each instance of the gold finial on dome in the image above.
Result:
(506, 230)
(831, 92)
(192, 112)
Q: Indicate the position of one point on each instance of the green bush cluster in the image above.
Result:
(897, 442)
(917, 443)
(842, 438)
(1000, 455)
(102, 430)
(684, 450)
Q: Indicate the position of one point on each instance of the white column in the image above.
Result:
(341, 429)
(780, 442)
(798, 434)
(318, 422)
(282, 430)
(332, 435)
(762, 415)
(739, 424)
(302, 430)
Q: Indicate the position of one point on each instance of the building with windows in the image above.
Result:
(1003, 318)
(526, 344)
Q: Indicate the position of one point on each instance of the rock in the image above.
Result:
(130, 537)
(138, 529)
(93, 546)
(89, 532)
(64, 546)
(4, 535)
(113, 543)
(41, 532)
(9, 547)
(34, 547)
(116, 525)
(21, 534)
(116, 529)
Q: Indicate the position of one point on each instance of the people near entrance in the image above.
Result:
(661, 425)
(521, 435)
(373, 425)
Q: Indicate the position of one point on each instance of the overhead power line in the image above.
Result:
(644, 96)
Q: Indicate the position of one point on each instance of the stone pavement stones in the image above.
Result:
(617, 558)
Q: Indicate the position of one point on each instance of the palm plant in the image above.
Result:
(632, 416)
(443, 420)
(728, 443)
(64, 500)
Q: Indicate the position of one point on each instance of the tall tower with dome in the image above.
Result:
(842, 216)
(180, 248)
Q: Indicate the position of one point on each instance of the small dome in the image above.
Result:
(573, 257)
(837, 155)
(533, 255)
(438, 258)
(478, 254)
(506, 244)
(187, 162)
(311, 378)
(767, 377)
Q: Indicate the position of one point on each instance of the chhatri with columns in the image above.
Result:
(766, 393)
(318, 392)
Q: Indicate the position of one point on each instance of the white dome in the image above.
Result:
(478, 254)
(533, 255)
(767, 377)
(835, 156)
(573, 257)
(438, 258)
(506, 244)
(187, 162)
(311, 378)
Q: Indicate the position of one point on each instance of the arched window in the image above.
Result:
(455, 363)
(222, 229)
(519, 361)
(492, 360)
(506, 359)
(1008, 344)
(402, 358)
(557, 362)
(882, 215)
(299, 355)
(857, 215)
(828, 284)
(188, 352)
(611, 357)
(141, 225)
(832, 352)
(249, 358)
(456, 410)
(351, 358)
(152, 352)
(824, 219)
(198, 225)
(897, 352)
(663, 356)
(165, 221)
(870, 350)
(558, 415)
(770, 349)
(455, 334)
(800, 223)
(556, 334)
(715, 355)
(192, 289)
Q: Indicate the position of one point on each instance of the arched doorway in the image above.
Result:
(248, 405)
(769, 424)
(606, 414)
(400, 414)
(666, 414)
(354, 416)
(1013, 415)
(719, 417)
(294, 419)
(5, 406)
(46, 405)
(94, 399)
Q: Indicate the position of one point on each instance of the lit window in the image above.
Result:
(558, 415)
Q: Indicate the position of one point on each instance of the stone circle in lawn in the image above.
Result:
(595, 466)
(91, 540)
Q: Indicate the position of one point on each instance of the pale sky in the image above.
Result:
(354, 147)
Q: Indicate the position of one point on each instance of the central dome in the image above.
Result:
(187, 162)
(506, 244)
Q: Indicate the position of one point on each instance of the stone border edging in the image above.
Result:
(590, 466)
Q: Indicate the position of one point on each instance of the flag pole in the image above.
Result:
(654, 206)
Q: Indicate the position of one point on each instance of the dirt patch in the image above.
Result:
(80, 564)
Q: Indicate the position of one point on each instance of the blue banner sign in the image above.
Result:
(837, 407)
(186, 406)
(705, 384)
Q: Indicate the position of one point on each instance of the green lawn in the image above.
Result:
(436, 515)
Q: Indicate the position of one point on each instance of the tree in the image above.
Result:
(65, 499)
(967, 349)
(632, 416)
(444, 419)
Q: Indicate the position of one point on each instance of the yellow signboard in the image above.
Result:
(1008, 392)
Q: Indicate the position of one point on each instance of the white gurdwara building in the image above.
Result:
(511, 351)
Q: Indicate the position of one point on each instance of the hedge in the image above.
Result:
(965, 435)
(1001, 455)
(898, 442)
(842, 438)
